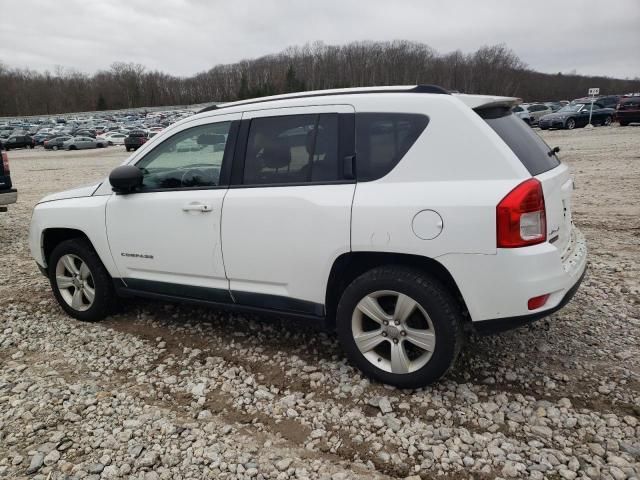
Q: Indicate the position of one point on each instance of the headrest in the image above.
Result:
(276, 156)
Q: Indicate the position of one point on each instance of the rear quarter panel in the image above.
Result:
(459, 167)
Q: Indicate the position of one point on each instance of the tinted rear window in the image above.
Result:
(532, 151)
(382, 139)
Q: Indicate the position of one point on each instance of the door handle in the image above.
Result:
(196, 207)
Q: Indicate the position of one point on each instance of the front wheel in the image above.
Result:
(400, 326)
(571, 124)
(607, 121)
(80, 283)
(622, 124)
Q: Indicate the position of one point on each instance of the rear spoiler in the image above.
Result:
(477, 102)
(494, 107)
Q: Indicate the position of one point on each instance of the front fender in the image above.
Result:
(85, 214)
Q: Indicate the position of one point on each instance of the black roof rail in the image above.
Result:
(320, 93)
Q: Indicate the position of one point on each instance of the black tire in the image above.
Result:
(55, 147)
(622, 124)
(606, 121)
(127, 148)
(72, 147)
(99, 145)
(104, 293)
(433, 297)
(544, 128)
(570, 124)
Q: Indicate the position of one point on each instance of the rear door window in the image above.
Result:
(382, 139)
(292, 149)
(532, 151)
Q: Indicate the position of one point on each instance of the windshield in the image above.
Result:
(571, 108)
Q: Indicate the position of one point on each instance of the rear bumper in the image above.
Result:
(489, 327)
(497, 288)
(8, 197)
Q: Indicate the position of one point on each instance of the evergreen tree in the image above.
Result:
(102, 103)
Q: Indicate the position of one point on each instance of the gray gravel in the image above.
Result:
(164, 391)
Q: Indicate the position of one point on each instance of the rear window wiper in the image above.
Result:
(553, 151)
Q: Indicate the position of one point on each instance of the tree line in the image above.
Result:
(489, 70)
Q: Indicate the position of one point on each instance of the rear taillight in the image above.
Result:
(5, 162)
(520, 216)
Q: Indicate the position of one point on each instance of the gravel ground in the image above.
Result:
(178, 392)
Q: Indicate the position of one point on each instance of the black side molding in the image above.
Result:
(220, 298)
(489, 327)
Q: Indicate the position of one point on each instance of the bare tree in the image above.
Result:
(491, 69)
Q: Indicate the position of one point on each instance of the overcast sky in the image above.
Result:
(184, 37)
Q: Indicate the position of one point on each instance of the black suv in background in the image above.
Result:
(135, 140)
(8, 195)
(628, 110)
(607, 101)
(19, 141)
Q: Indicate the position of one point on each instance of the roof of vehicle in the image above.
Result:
(472, 101)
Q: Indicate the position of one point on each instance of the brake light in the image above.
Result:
(521, 217)
(5, 162)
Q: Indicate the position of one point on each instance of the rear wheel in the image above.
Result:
(80, 283)
(607, 121)
(72, 147)
(624, 124)
(570, 124)
(400, 326)
(55, 147)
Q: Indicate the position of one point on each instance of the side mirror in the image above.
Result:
(125, 179)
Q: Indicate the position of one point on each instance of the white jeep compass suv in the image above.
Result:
(399, 213)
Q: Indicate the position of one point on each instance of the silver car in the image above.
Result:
(80, 143)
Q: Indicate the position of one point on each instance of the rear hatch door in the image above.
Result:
(543, 164)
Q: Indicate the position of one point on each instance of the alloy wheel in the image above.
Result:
(75, 282)
(393, 332)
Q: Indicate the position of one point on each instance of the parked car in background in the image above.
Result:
(554, 106)
(135, 140)
(523, 113)
(8, 194)
(273, 211)
(606, 101)
(577, 115)
(80, 143)
(56, 143)
(84, 133)
(39, 138)
(537, 110)
(628, 110)
(19, 141)
(113, 138)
